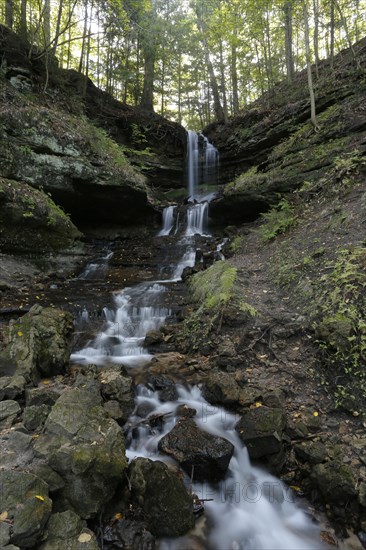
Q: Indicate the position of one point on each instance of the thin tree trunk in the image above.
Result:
(223, 86)
(316, 36)
(9, 13)
(219, 111)
(83, 45)
(147, 99)
(332, 29)
(234, 74)
(47, 23)
(288, 42)
(308, 64)
(23, 19)
(346, 29)
(58, 25)
(180, 89)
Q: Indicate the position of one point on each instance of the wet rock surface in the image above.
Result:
(162, 496)
(202, 455)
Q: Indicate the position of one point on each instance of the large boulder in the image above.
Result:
(24, 501)
(200, 454)
(335, 481)
(31, 221)
(116, 385)
(86, 448)
(261, 430)
(11, 387)
(40, 343)
(162, 496)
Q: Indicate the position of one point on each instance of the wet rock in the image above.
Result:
(128, 533)
(41, 396)
(113, 409)
(296, 429)
(362, 494)
(86, 448)
(45, 472)
(4, 534)
(162, 496)
(222, 388)
(314, 452)
(334, 480)
(25, 499)
(16, 450)
(40, 342)
(9, 410)
(11, 387)
(261, 430)
(197, 451)
(166, 388)
(67, 530)
(35, 416)
(116, 385)
(153, 338)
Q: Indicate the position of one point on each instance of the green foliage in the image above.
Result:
(341, 327)
(214, 287)
(217, 294)
(278, 220)
(236, 243)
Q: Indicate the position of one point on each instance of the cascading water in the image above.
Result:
(249, 509)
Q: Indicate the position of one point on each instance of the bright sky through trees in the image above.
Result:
(193, 61)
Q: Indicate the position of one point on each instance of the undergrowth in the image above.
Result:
(278, 220)
(216, 293)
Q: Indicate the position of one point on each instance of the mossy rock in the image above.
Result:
(31, 221)
(335, 481)
(40, 343)
(261, 430)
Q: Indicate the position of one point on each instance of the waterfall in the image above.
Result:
(202, 164)
(168, 220)
(249, 509)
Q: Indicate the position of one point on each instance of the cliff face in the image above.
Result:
(79, 145)
(272, 148)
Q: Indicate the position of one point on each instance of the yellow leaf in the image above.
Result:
(4, 516)
(295, 488)
(39, 497)
(20, 333)
(84, 537)
(258, 404)
(356, 413)
(315, 413)
(118, 516)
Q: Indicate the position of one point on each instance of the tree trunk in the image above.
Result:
(23, 19)
(47, 23)
(9, 13)
(316, 36)
(346, 29)
(308, 64)
(223, 87)
(147, 99)
(58, 25)
(234, 74)
(83, 45)
(332, 28)
(287, 8)
(219, 111)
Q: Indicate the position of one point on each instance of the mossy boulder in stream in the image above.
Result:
(31, 221)
(39, 343)
(86, 448)
(162, 496)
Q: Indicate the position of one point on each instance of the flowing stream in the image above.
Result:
(249, 509)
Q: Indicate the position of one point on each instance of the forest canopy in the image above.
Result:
(193, 61)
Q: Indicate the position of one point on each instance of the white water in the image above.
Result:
(168, 221)
(250, 509)
(97, 268)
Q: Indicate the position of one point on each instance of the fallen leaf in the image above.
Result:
(84, 537)
(39, 497)
(20, 333)
(356, 413)
(118, 516)
(328, 538)
(4, 516)
(258, 404)
(315, 413)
